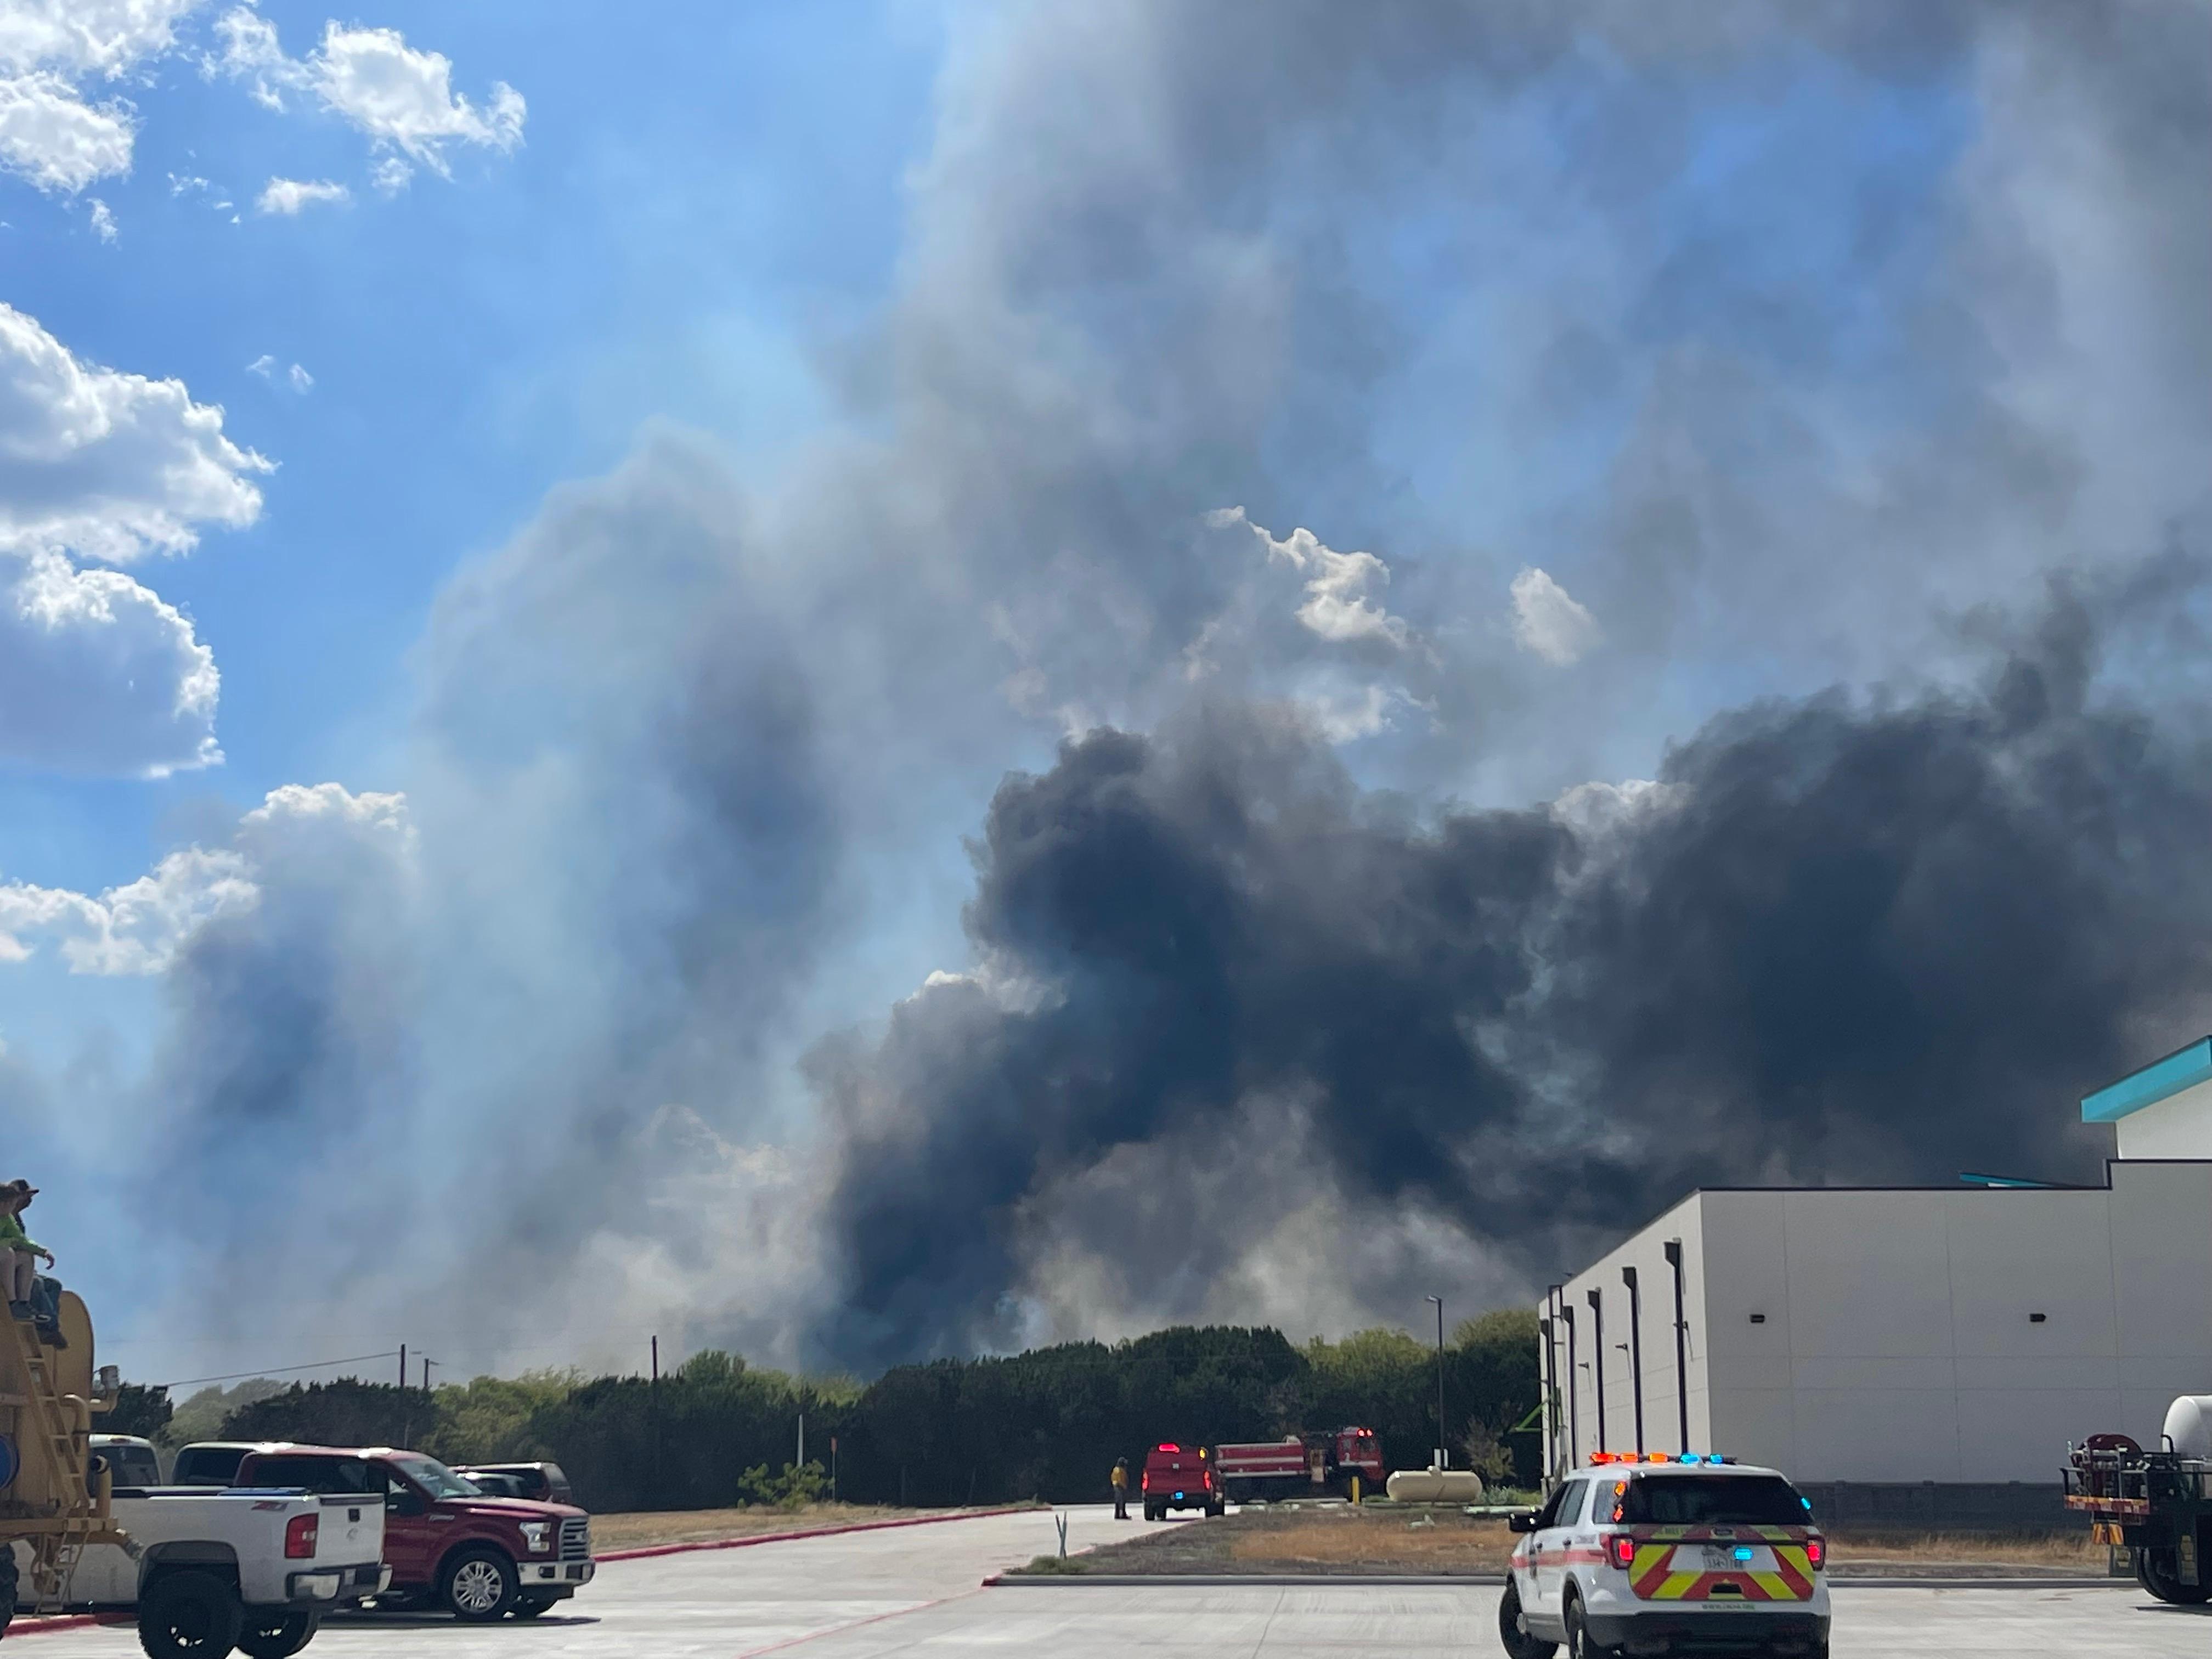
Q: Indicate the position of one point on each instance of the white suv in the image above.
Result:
(1661, 1554)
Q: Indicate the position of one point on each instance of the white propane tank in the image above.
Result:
(2189, 1425)
(1435, 1486)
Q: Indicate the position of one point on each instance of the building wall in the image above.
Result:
(2180, 1126)
(1895, 1342)
(1662, 1405)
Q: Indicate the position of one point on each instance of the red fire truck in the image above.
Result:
(1308, 1466)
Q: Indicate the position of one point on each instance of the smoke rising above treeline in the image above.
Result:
(1835, 940)
(1415, 630)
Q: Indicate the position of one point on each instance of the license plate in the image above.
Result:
(1721, 1557)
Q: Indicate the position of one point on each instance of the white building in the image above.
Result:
(1896, 1337)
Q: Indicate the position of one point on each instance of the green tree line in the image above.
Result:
(1046, 1423)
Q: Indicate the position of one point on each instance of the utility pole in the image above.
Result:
(1443, 1450)
(403, 1364)
(426, 1362)
(1635, 1349)
(1681, 1345)
(802, 1442)
(653, 1401)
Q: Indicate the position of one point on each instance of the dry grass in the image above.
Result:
(1355, 1542)
(1376, 1540)
(2067, 1550)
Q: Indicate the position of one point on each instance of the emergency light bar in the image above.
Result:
(1659, 1457)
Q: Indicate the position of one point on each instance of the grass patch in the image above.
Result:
(1055, 1565)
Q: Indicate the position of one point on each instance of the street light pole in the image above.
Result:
(1443, 1451)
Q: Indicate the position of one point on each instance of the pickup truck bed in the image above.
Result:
(286, 1557)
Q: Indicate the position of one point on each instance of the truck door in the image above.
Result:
(1549, 1545)
(415, 1533)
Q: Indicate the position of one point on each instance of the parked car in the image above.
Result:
(131, 1462)
(543, 1482)
(446, 1543)
(206, 1571)
(213, 1463)
(494, 1484)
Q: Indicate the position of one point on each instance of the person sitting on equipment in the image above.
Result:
(27, 1299)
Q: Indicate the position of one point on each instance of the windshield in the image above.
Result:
(434, 1477)
(1712, 1500)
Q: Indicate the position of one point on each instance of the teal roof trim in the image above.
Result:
(2183, 1069)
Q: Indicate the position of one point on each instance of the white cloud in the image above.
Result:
(106, 464)
(265, 366)
(1337, 607)
(87, 37)
(391, 176)
(288, 196)
(103, 222)
(98, 675)
(1550, 622)
(302, 382)
(51, 137)
(50, 132)
(133, 929)
(402, 98)
(140, 927)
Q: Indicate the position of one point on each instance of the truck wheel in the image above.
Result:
(479, 1585)
(189, 1615)
(1513, 1633)
(2155, 1572)
(7, 1585)
(282, 1636)
(531, 1606)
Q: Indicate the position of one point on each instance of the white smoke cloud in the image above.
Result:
(1550, 622)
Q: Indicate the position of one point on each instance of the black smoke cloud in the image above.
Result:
(1835, 941)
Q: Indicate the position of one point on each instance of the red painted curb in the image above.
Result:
(48, 1627)
(652, 1550)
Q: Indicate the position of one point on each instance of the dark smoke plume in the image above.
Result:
(1835, 942)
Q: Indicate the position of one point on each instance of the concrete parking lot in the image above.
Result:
(918, 1591)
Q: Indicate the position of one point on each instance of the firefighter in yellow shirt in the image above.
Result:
(1121, 1480)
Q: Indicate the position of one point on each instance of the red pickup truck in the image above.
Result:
(448, 1544)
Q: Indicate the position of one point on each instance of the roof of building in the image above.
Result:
(2184, 1069)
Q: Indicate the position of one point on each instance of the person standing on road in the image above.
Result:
(1121, 1480)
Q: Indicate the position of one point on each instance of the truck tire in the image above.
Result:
(7, 1586)
(478, 1585)
(280, 1635)
(189, 1615)
(1514, 1635)
(2154, 1572)
(1579, 1645)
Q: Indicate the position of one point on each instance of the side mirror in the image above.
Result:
(1520, 1520)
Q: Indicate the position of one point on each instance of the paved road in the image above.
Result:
(915, 1592)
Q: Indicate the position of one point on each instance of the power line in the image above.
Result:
(277, 1370)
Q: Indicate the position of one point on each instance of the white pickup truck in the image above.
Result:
(208, 1571)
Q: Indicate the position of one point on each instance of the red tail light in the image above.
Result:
(1623, 1547)
(300, 1537)
(1816, 1552)
(1145, 1484)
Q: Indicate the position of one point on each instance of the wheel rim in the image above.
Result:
(477, 1586)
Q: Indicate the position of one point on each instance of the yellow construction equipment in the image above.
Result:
(53, 1501)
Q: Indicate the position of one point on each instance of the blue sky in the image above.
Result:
(698, 493)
